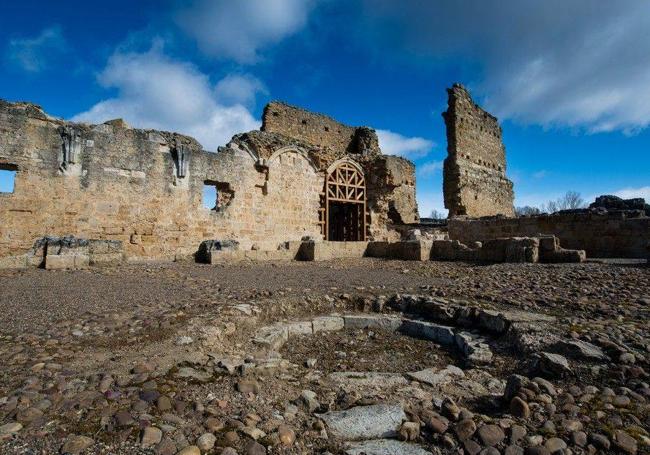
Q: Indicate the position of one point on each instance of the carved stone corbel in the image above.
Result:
(70, 147)
(182, 160)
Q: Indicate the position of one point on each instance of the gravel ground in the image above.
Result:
(106, 353)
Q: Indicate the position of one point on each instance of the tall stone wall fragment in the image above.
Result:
(475, 183)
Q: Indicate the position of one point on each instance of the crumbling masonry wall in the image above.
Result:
(475, 182)
(119, 183)
(608, 235)
(144, 188)
(390, 179)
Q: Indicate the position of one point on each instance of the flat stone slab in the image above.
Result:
(365, 422)
(436, 377)
(429, 331)
(582, 350)
(372, 321)
(385, 447)
(272, 337)
(328, 324)
(191, 373)
(299, 328)
(363, 380)
(473, 348)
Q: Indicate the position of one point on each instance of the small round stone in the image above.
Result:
(151, 436)
(190, 450)
(519, 408)
(287, 435)
(491, 435)
(465, 429)
(555, 444)
(206, 441)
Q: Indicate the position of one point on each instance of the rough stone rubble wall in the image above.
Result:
(600, 235)
(319, 129)
(124, 185)
(475, 182)
(130, 185)
(390, 180)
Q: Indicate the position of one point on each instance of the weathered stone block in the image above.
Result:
(428, 331)
(371, 321)
(328, 324)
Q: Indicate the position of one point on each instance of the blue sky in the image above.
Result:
(569, 80)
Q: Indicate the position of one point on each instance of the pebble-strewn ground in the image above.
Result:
(161, 358)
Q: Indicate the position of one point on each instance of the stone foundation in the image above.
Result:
(600, 235)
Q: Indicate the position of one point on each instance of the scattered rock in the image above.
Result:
(150, 436)
(365, 422)
(385, 447)
(76, 444)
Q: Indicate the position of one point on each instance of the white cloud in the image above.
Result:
(239, 29)
(580, 63)
(540, 174)
(630, 193)
(239, 89)
(409, 147)
(428, 169)
(35, 54)
(157, 92)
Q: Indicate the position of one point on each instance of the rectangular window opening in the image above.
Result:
(217, 195)
(7, 179)
(209, 196)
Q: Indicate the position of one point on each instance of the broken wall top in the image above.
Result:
(473, 133)
(320, 130)
(475, 183)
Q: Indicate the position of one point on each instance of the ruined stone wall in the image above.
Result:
(390, 183)
(390, 180)
(601, 235)
(475, 182)
(319, 129)
(124, 184)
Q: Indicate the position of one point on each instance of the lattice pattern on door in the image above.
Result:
(343, 212)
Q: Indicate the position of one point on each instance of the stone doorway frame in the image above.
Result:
(345, 183)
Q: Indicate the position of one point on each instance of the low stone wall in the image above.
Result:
(608, 235)
(67, 253)
(323, 251)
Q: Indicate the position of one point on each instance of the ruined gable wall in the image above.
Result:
(333, 139)
(124, 187)
(601, 235)
(390, 180)
(475, 182)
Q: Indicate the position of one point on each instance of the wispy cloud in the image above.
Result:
(239, 89)
(240, 29)
(588, 68)
(540, 174)
(35, 54)
(179, 98)
(630, 193)
(392, 143)
(428, 169)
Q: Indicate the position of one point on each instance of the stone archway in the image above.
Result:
(344, 208)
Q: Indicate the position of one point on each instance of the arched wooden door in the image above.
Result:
(345, 203)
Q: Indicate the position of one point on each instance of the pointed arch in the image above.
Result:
(344, 204)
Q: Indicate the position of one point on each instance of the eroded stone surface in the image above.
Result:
(365, 422)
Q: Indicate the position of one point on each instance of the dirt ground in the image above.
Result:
(89, 354)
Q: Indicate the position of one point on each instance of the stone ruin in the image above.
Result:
(302, 187)
(480, 197)
(475, 182)
(303, 175)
